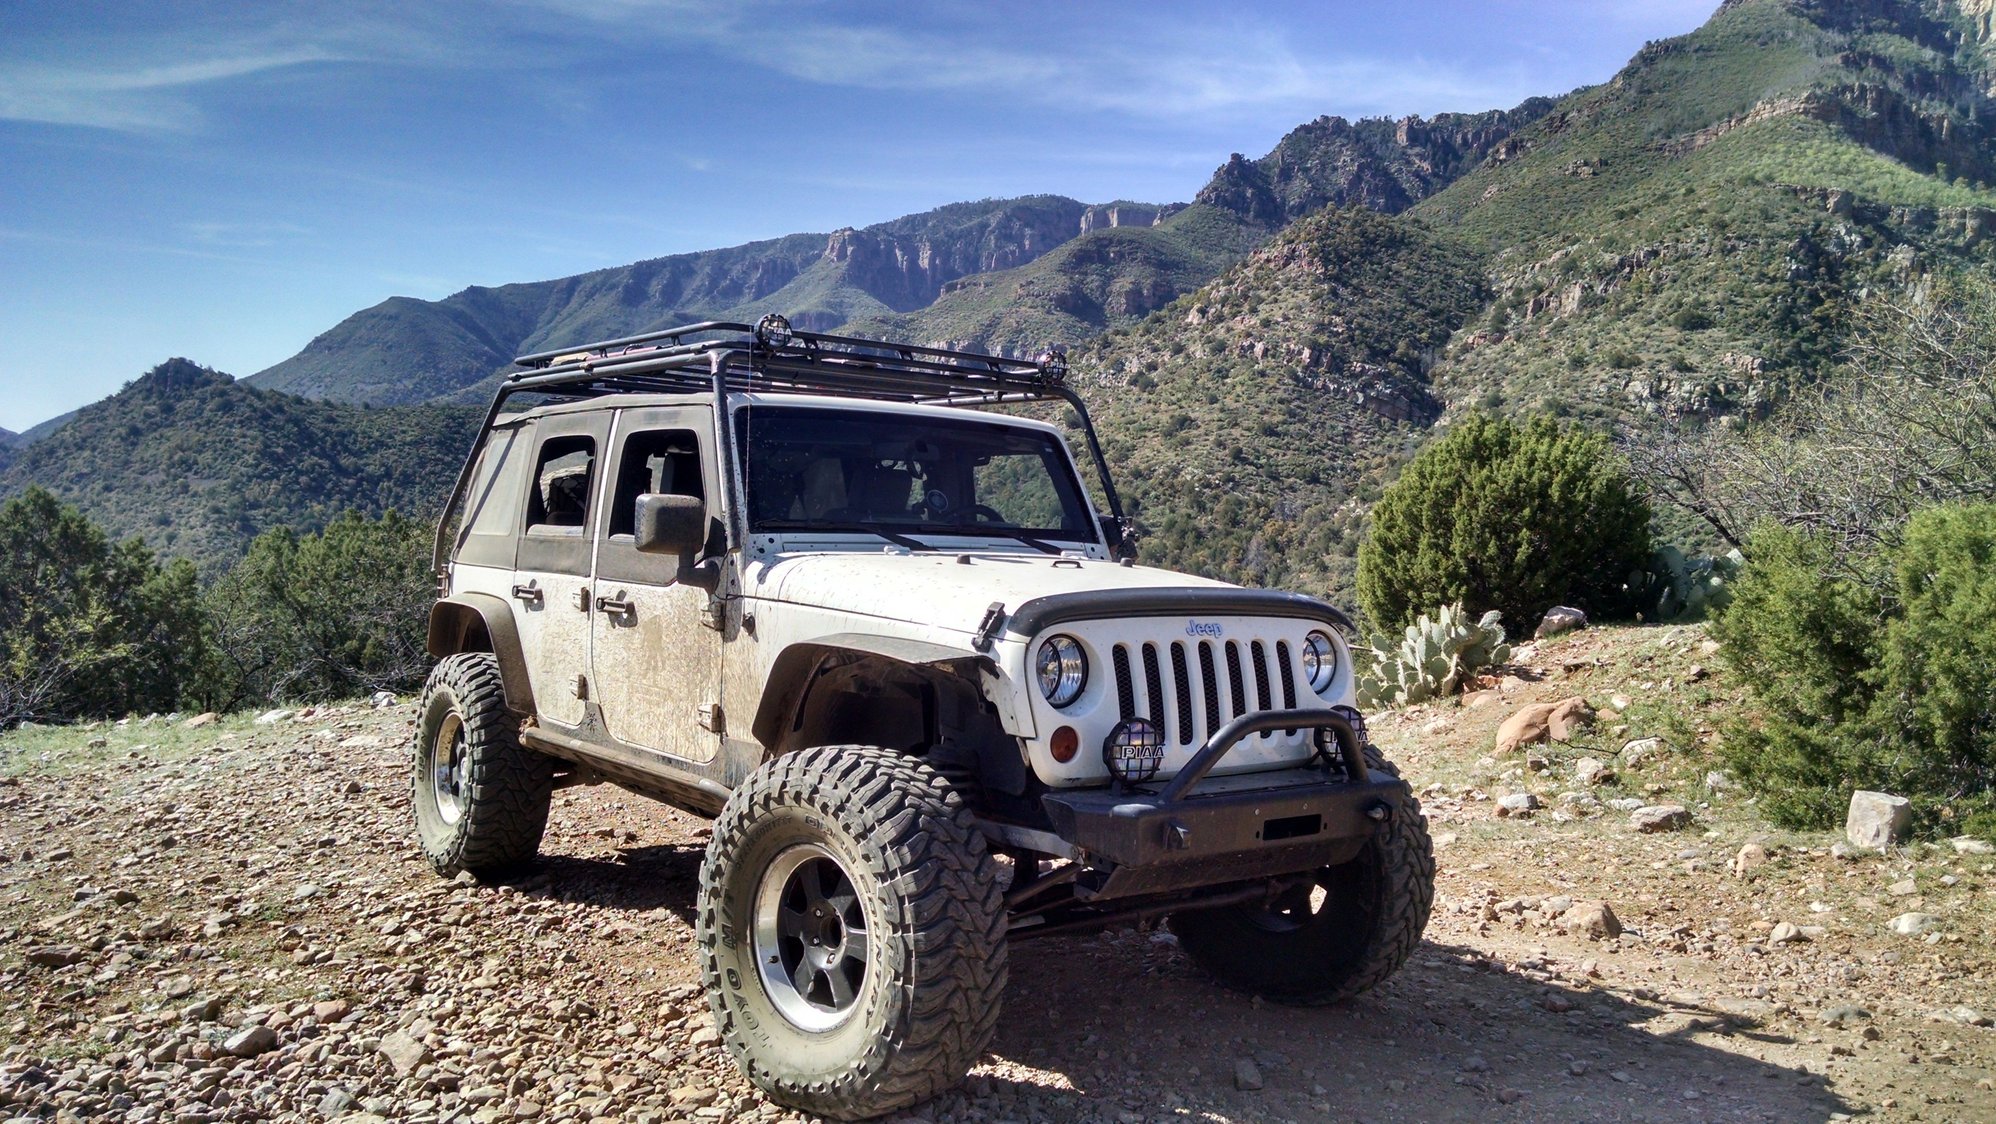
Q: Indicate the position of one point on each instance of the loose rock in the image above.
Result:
(1912, 924)
(251, 1041)
(1558, 619)
(1660, 817)
(404, 1053)
(1877, 820)
(1593, 920)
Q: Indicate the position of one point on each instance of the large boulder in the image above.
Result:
(1558, 619)
(1877, 820)
(1568, 719)
(1530, 726)
(1537, 723)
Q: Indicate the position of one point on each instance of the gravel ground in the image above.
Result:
(231, 922)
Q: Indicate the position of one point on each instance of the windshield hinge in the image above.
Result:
(987, 631)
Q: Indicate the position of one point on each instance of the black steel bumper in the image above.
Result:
(1238, 828)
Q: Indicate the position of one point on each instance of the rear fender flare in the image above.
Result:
(480, 622)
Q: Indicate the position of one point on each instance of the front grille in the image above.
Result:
(1168, 700)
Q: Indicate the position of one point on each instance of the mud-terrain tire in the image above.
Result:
(1358, 925)
(481, 797)
(818, 846)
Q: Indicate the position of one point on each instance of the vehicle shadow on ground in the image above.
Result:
(638, 879)
(1123, 1023)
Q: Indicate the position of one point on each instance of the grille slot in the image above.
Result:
(1126, 700)
(1262, 702)
(1288, 680)
(1182, 681)
(1154, 691)
(1234, 678)
(1211, 681)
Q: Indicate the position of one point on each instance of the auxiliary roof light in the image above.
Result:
(1053, 363)
(774, 331)
(1134, 750)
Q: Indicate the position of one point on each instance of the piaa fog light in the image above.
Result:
(1133, 751)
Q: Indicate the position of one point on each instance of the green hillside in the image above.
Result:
(1253, 420)
(999, 274)
(1692, 236)
(197, 463)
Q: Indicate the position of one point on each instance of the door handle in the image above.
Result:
(616, 607)
(529, 594)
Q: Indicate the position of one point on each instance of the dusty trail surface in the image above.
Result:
(230, 923)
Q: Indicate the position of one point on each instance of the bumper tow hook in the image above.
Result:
(1377, 811)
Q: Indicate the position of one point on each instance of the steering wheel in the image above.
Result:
(984, 513)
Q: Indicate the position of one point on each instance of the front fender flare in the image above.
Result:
(480, 622)
(790, 676)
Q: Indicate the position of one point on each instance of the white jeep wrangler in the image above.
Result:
(802, 584)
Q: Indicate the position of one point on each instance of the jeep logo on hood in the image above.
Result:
(1204, 628)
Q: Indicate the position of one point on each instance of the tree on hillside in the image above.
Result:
(1498, 515)
(88, 627)
(305, 618)
(1908, 421)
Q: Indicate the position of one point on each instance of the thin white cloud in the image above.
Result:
(1170, 71)
(130, 96)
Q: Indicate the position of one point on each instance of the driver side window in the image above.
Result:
(664, 462)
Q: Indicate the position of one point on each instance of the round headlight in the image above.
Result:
(1320, 661)
(1133, 751)
(1062, 669)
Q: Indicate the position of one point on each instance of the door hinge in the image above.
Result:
(716, 616)
(582, 686)
(713, 719)
(582, 598)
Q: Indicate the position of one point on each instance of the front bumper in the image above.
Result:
(1195, 832)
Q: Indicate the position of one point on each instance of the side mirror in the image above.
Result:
(1116, 532)
(667, 524)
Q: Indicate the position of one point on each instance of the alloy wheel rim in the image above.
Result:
(812, 945)
(447, 769)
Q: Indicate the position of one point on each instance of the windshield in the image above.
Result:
(812, 469)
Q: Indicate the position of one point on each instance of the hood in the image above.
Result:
(943, 590)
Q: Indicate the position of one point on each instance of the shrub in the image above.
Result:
(1877, 676)
(1503, 516)
(324, 616)
(87, 627)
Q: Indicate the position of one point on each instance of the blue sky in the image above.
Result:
(225, 181)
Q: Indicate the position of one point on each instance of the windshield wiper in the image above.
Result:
(1002, 533)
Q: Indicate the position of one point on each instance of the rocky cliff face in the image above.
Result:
(907, 270)
(1380, 164)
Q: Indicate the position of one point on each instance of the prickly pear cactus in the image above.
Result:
(1434, 658)
(1676, 589)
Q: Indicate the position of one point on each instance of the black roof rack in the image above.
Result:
(721, 357)
(770, 356)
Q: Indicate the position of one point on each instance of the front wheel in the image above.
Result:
(852, 933)
(1340, 934)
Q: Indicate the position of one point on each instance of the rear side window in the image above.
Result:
(562, 477)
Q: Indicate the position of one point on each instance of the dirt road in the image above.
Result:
(230, 923)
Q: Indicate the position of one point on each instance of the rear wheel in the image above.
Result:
(1341, 933)
(481, 797)
(852, 932)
